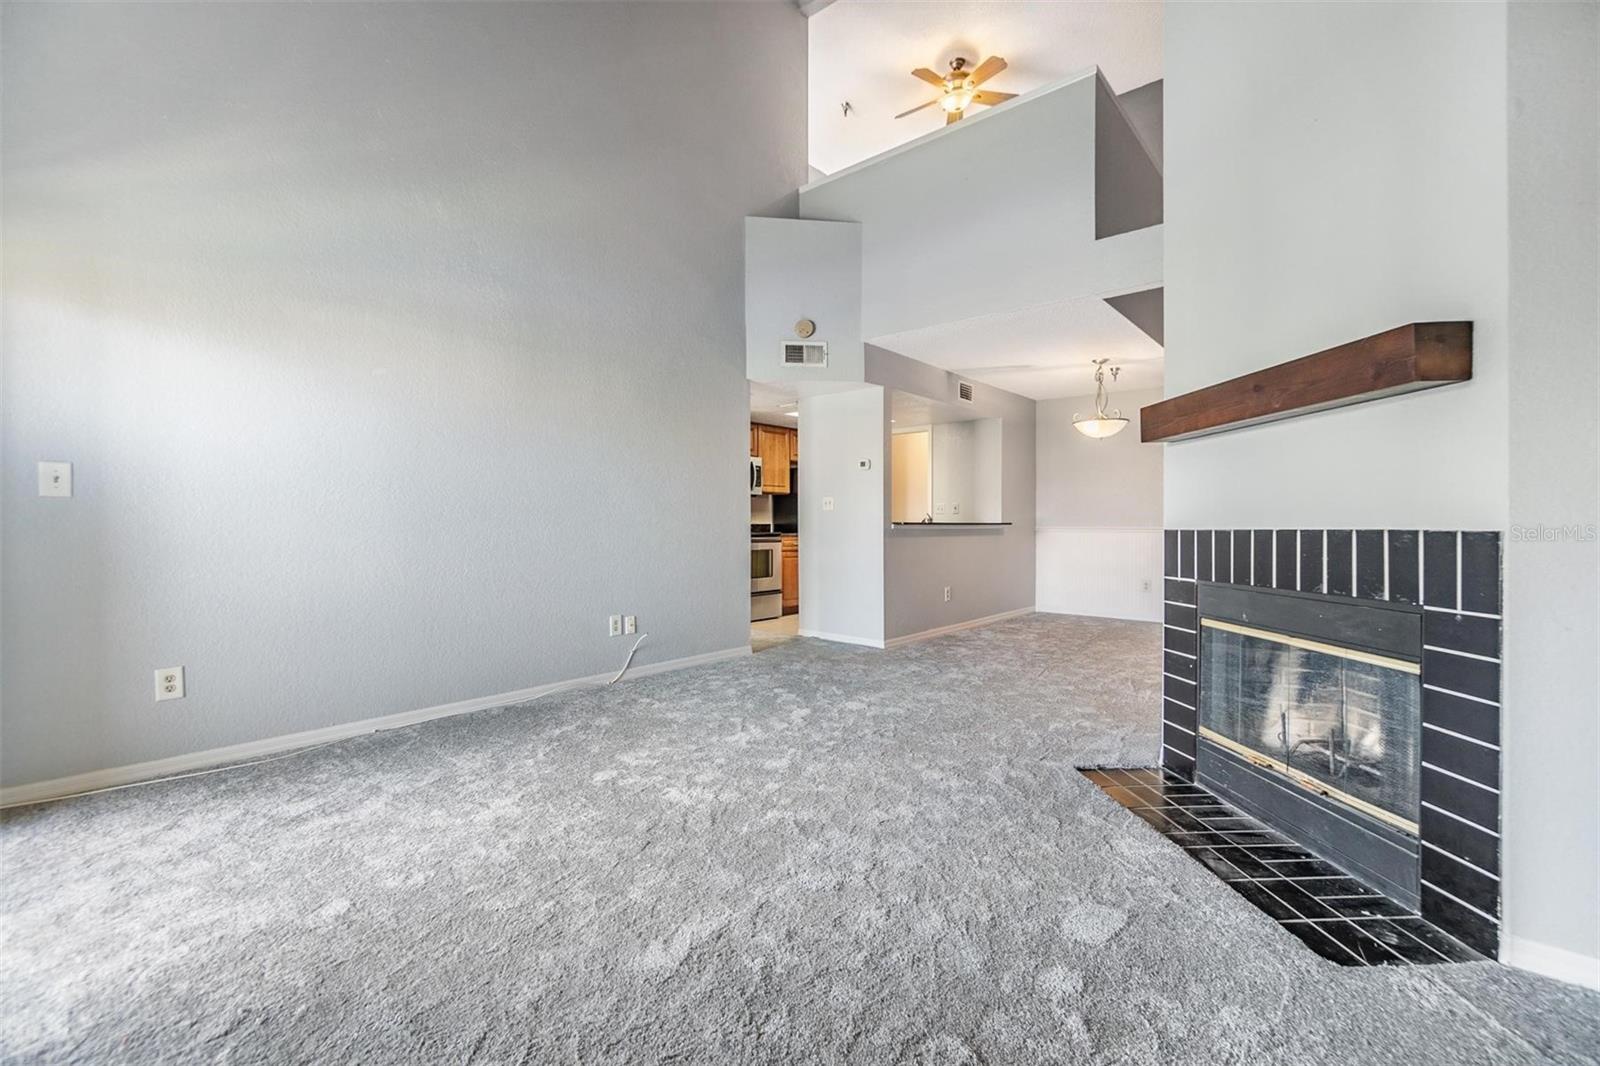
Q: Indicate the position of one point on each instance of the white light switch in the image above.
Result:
(55, 479)
(827, 503)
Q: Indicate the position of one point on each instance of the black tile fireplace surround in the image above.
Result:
(1430, 599)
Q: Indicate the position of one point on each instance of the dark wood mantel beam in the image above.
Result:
(1422, 355)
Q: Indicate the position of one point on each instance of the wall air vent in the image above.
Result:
(964, 391)
(808, 353)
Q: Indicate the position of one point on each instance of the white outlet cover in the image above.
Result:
(939, 508)
(864, 464)
(630, 624)
(169, 683)
(955, 508)
(827, 503)
(55, 479)
(947, 594)
(614, 625)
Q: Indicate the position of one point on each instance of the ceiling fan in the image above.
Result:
(959, 88)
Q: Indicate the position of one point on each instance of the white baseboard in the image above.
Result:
(1550, 961)
(840, 638)
(971, 623)
(56, 788)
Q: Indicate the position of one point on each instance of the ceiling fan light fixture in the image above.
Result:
(1102, 425)
(957, 99)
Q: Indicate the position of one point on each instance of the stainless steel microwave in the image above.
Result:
(755, 475)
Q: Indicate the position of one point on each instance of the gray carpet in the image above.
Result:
(819, 853)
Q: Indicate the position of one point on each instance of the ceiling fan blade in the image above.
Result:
(987, 69)
(928, 76)
(951, 118)
(984, 96)
(919, 107)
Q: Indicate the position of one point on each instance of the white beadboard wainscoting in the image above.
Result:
(1103, 571)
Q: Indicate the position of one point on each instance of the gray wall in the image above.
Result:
(1086, 482)
(1143, 106)
(989, 571)
(1551, 770)
(371, 330)
(841, 548)
(1099, 536)
(1304, 148)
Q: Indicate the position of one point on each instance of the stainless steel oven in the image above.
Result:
(766, 578)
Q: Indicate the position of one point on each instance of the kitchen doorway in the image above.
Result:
(774, 517)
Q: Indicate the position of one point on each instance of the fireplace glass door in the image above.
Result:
(1342, 722)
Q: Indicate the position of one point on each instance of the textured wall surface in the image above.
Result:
(1552, 640)
(1099, 536)
(1306, 154)
(1085, 482)
(371, 331)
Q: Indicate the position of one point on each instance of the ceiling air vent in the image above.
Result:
(807, 353)
(964, 391)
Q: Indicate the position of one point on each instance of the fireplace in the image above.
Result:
(1343, 687)
(1311, 719)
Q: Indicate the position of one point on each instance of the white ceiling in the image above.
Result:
(863, 51)
(1041, 352)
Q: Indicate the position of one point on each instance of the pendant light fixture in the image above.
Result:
(1102, 424)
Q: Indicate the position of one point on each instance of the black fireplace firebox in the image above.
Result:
(1343, 686)
(1310, 718)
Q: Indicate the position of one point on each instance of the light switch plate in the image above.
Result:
(55, 479)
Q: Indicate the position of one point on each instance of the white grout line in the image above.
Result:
(1459, 859)
(1458, 777)
(1383, 546)
(1462, 654)
(1463, 695)
(1458, 736)
(1469, 614)
(1463, 902)
(1459, 546)
(1463, 821)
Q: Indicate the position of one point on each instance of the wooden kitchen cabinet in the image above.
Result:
(773, 446)
(794, 446)
(791, 573)
(755, 445)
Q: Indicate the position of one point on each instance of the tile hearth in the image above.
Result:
(1335, 915)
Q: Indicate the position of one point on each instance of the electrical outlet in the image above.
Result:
(1147, 584)
(630, 624)
(827, 503)
(615, 628)
(947, 594)
(938, 508)
(169, 683)
(955, 508)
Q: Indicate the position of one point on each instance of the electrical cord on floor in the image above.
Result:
(626, 663)
(629, 660)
